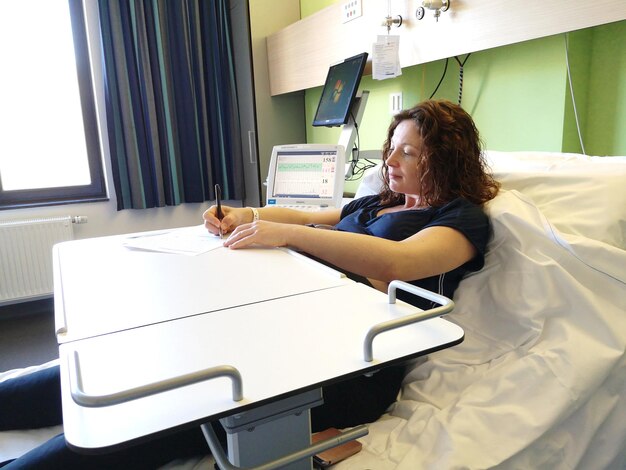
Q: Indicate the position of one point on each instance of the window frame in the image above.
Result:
(96, 191)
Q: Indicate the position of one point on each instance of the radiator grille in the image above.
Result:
(26, 256)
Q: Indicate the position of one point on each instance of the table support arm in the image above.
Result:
(224, 463)
(446, 306)
(93, 401)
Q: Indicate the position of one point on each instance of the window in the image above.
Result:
(49, 144)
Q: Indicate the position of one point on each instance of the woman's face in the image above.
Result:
(403, 158)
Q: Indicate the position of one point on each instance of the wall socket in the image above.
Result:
(395, 103)
(350, 10)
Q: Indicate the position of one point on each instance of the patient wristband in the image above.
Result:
(255, 214)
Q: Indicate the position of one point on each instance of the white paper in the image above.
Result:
(186, 241)
(386, 58)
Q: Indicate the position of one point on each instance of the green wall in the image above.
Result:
(518, 95)
(606, 118)
(579, 47)
(308, 7)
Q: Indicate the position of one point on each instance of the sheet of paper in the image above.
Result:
(386, 58)
(186, 241)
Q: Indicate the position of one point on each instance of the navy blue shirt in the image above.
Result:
(361, 216)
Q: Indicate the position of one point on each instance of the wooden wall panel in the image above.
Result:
(300, 54)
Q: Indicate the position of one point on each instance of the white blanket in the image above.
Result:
(539, 381)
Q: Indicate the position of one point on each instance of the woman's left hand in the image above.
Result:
(260, 232)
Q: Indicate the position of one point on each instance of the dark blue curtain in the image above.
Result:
(171, 101)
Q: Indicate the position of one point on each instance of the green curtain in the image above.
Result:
(171, 101)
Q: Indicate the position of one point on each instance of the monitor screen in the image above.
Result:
(339, 91)
(305, 173)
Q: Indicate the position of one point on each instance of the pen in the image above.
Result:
(218, 201)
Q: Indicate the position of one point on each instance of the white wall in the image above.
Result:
(282, 119)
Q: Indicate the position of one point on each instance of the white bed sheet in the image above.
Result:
(539, 381)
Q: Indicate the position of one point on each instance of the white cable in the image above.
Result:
(571, 89)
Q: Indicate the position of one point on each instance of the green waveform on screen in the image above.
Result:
(299, 166)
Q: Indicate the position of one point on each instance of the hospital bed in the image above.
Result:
(540, 379)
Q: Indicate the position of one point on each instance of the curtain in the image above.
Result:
(171, 101)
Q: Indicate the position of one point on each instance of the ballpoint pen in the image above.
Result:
(218, 201)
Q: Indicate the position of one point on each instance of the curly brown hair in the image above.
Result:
(451, 162)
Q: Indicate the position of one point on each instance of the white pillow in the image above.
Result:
(580, 195)
(371, 183)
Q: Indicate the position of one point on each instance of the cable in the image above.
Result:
(358, 166)
(460, 84)
(445, 69)
(461, 64)
(571, 89)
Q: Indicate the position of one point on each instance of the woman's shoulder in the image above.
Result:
(462, 214)
(463, 206)
(471, 220)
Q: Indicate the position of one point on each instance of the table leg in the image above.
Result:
(276, 435)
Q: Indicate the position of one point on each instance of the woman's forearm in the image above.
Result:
(365, 255)
(430, 252)
(289, 216)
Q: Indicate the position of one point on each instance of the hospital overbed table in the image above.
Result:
(160, 340)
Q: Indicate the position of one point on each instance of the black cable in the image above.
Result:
(461, 64)
(358, 166)
(445, 69)
(357, 141)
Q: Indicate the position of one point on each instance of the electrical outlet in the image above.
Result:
(395, 103)
(350, 10)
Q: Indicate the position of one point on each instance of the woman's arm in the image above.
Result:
(236, 216)
(432, 251)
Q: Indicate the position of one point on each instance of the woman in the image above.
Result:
(426, 227)
(427, 223)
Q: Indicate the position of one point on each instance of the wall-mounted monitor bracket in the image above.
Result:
(351, 128)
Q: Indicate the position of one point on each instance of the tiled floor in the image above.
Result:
(27, 334)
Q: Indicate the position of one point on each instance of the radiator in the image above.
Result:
(26, 256)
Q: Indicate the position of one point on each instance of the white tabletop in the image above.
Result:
(279, 347)
(287, 324)
(102, 287)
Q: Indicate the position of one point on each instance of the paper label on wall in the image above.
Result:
(386, 58)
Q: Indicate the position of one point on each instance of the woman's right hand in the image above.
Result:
(232, 218)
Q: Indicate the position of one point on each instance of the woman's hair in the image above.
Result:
(450, 163)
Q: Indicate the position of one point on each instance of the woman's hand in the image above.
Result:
(233, 217)
(261, 232)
